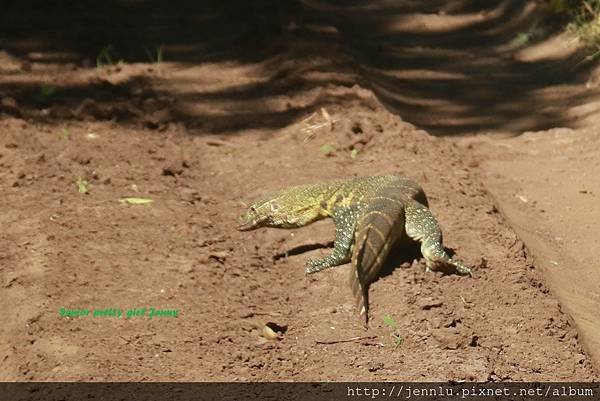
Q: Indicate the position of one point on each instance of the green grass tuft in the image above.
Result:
(397, 338)
(585, 22)
(83, 187)
(157, 56)
(106, 57)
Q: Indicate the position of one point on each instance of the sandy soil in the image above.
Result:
(546, 183)
(220, 122)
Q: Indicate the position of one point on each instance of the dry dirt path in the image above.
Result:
(215, 127)
(546, 184)
(462, 68)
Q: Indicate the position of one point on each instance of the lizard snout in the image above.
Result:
(249, 220)
(245, 223)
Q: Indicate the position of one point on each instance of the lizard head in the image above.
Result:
(282, 209)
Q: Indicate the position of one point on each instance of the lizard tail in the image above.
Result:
(361, 295)
(376, 231)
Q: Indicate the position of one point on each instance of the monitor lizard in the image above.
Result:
(370, 214)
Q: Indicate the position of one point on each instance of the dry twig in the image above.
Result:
(348, 340)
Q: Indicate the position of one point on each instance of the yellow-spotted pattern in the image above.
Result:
(371, 214)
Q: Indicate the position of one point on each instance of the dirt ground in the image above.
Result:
(552, 207)
(252, 98)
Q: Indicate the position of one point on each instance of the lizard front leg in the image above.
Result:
(345, 224)
(422, 226)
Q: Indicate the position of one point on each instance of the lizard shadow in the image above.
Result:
(300, 249)
(402, 256)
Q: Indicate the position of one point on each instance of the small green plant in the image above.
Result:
(585, 22)
(45, 94)
(65, 133)
(160, 51)
(572, 7)
(353, 153)
(82, 186)
(157, 56)
(106, 57)
(536, 31)
(521, 39)
(327, 149)
(391, 324)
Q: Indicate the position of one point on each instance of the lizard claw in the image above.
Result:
(462, 269)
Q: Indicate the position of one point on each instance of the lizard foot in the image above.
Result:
(314, 266)
(460, 268)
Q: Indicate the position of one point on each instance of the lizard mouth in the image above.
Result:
(247, 222)
(244, 224)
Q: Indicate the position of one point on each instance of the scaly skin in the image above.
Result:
(370, 214)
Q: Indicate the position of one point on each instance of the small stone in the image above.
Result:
(9, 105)
(219, 256)
(173, 169)
(59, 111)
(428, 303)
(375, 366)
(88, 108)
(190, 195)
(436, 322)
(474, 341)
(273, 331)
(448, 338)
(269, 333)
(157, 118)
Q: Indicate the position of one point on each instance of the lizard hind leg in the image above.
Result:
(422, 226)
(434, 254)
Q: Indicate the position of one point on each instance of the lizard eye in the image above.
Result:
(253, 209)
(274, 206)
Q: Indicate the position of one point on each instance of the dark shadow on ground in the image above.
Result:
(446, 66)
